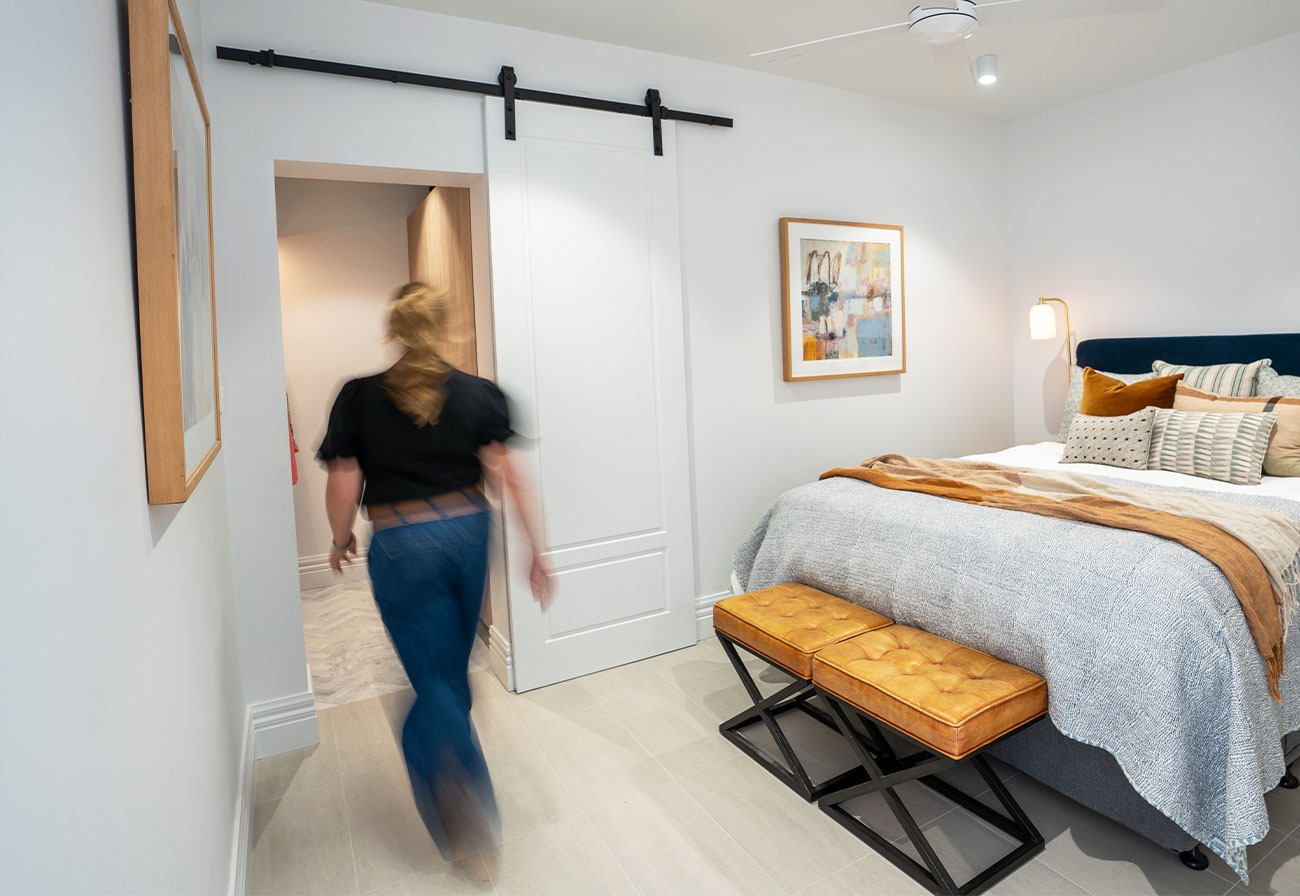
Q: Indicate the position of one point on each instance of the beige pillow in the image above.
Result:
(1282, 457)
(1115, 441)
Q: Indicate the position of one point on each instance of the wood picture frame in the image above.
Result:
(842, 299)
(172, 169)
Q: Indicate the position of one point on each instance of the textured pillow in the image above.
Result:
(1227, 447)
(1221, 379)
(1075, 394)
(1114, 441)
(1283, 455)
(1270, 382)
(1105, 396)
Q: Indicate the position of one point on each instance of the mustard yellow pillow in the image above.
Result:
(1282, 457)
(1104, 396)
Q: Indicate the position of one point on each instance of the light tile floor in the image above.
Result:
(620, 783)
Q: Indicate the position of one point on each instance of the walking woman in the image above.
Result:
(412, 444)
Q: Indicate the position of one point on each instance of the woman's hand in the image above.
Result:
(542, 580)
(346, 555)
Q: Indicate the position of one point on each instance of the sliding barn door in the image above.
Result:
(587, 310)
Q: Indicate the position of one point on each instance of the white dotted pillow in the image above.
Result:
(1113, 441)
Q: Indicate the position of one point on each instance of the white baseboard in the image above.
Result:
(499, 657)
(315, 572)
(242, 843)
(288, 723)
(704, 613)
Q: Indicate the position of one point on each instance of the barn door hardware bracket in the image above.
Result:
(507, 80)
(506, 87)
(656, 119)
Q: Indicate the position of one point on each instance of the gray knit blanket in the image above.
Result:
(1143, 643)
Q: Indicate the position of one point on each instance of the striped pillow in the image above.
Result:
(1283, 455)
(1227, 447)
(1221, 379)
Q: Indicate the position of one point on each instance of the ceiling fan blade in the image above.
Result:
(864, 33)
(951, 65)
(1015, 12)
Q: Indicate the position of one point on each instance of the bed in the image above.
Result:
(1160, 717)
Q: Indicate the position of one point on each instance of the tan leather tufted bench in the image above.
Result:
(949, 699)
(786, 625)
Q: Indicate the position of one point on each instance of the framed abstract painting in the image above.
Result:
(841, 299)
(171, 161)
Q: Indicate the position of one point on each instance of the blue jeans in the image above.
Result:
(428, 582)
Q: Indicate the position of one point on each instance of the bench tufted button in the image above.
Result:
(923, 685)
(789, 623)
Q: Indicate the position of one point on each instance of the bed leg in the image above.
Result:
(1195, 859)
(1289, 781)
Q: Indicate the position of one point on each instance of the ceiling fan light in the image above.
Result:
(986, 69)
(942, 24)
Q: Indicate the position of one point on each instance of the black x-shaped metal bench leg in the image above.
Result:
(886, 771)
(795, 695)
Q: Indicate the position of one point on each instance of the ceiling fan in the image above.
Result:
(945, 23)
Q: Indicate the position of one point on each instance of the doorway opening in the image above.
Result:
(347, 238)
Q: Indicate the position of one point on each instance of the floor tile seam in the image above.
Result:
(619, 865)
(718, 822)
(555, 771)
(1039, 859)
(1224, 877)
(904, 838)
(435, 866)
(1283, 839)
(347, 824)
(1043, 858)
(644, 749)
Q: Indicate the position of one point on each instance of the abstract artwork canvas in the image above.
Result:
(842, 299)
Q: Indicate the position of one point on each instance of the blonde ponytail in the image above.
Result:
(417, 383)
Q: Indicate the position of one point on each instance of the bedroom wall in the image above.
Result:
(797, 150)
(1165, 208)
(342, 251)
(119, 673)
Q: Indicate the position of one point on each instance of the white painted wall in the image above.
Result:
(343, 252)
(797, 150)
(119, 673)
(1165, 208)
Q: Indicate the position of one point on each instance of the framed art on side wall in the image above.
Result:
(172, 169)
(841, 299)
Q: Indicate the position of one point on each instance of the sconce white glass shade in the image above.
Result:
(1042, 322)
(986, 69)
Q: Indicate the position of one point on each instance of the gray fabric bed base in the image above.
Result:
(1091, 776)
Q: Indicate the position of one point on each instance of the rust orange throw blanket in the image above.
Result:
(1009, 488)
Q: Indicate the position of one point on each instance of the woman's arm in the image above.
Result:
(342, 495)
(505, 477)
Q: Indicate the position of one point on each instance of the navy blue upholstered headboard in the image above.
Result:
(1135, 355)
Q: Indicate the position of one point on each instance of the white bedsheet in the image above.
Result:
(1047, 456)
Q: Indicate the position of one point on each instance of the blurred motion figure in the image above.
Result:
(412, 444)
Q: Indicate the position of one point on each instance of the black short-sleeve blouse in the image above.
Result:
(402, 461)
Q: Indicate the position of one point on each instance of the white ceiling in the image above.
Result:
(1042, 63)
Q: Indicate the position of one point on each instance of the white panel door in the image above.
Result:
(587, 311)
